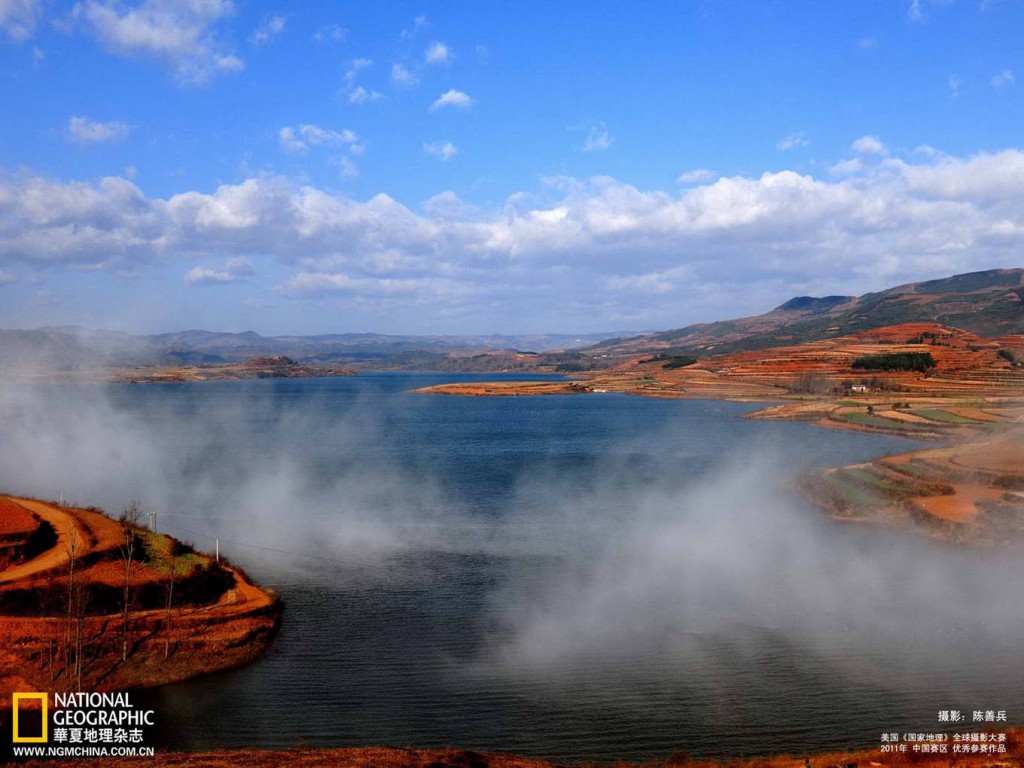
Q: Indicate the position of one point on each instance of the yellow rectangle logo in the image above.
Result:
(44, 703)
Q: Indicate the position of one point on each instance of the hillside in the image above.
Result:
(64, 569)
(989, 304)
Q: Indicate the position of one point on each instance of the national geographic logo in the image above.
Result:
(30, 718)
(76, 725)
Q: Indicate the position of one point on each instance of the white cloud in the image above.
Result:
(18, 18)
(401, 75)
(869, 153)
(418, 24)
(868, 145)
(696, 176)
(438, 53)
(452, 98)
(443, 150)
(793, 141)
(348, 167)
(332, 33)
(268, 30)
(581, 245)
(597, 139)
(6, 278)
(917, 10)
(1003, 80)
(954, 83)
(299, 140)
(357, 66)
(85, 130)
(360, 95)
(290, 142)
(237, 270)
(178, 33)
(868, 42)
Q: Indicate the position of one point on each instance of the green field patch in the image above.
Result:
(937, 414)
(847, 484)
(871, 420)
(889, 487)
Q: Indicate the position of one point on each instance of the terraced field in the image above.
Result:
(972, 492)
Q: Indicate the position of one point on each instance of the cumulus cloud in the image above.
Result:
(584, 245)
(331, 33)
(268, 30)
(868, 145)
(918, 10)
(438, 53)
(357, 66)
(402, 75)
(358, 94)
(178, 33)
(452, 98)
(793, 141)
(442, 150)
(18, 18)
(361, 95)
(697, 175)
(1003, 80)
(954, 83)
(597, 139)
(347, 166)
(868, 152)
(299, 140)
(237, 269)
(85, 130)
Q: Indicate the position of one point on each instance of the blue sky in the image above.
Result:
(496, 167)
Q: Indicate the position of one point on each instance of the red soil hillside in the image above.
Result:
(963, 361)
(62, 622)
(965, 365)
(16, 522)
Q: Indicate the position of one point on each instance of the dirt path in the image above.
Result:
(67, 528)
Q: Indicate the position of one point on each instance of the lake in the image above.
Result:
(574, 577)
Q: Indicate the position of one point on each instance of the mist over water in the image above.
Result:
(562, 576)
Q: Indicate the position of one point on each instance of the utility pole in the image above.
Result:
(152, 520)
(218, 549)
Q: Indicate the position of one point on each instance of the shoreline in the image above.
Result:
(220, 620)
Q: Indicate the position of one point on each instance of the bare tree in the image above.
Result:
(74, 632)
(72, 552)
(171, 566)
(130, 528)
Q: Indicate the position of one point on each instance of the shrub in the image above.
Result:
(896, 361)
(679, 362)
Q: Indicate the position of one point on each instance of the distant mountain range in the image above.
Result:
(989, 304)
(68, 348)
